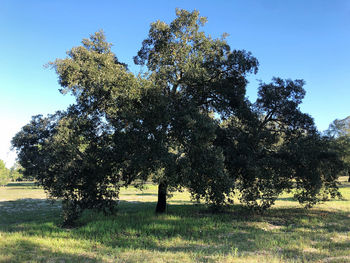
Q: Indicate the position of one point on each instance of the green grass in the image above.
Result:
(30, 232)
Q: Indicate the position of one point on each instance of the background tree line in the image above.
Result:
(184, 124)
(10, 175)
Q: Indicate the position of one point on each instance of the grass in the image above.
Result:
(30, 232)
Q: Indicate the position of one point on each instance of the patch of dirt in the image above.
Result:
(270, 227)
(310, 250)
(232, 234)
(340, 238)
(336, 259)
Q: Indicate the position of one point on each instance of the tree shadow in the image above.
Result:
(28, 251)
(196, 225)
(22, 184)
(192, 228)
(28, 210)
(344, 185)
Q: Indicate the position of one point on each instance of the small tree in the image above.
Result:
(4, 174)
(339, 133)
(15, 172)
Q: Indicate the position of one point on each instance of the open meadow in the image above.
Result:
(230, 103)
(30, 231)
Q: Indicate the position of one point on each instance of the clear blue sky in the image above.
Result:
(292, 39)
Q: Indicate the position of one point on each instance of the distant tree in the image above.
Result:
(339, 128)
(4, 174)
(15, 173)
(339, 132)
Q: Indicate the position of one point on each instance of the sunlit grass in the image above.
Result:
(30, 232)
(21, 190)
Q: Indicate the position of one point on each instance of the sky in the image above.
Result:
(294, 39)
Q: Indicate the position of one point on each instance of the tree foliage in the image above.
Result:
(339, 132)
(275, 147)
(4, 174)
(16, 173)
(69, 156)
(186, 123)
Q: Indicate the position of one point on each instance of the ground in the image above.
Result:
(30, 231)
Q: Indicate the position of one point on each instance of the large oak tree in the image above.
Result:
(185, 123)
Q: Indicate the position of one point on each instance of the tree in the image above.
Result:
(15, 173)
(164, 124)
(4, 174)
(339, 128)
(185, 123)
(339, 132)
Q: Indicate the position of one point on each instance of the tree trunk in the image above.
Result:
(349, 176)
(162, 190)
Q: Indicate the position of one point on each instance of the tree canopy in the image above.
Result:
(185, 123)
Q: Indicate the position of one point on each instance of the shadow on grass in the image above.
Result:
(198, 229)
(292, 199)
(344, 185)
(24, 184)
(189, 229)
(28, 251)
(27, 210)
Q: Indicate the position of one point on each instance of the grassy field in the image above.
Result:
(30, 232)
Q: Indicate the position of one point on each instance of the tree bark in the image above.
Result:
(162, 191)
